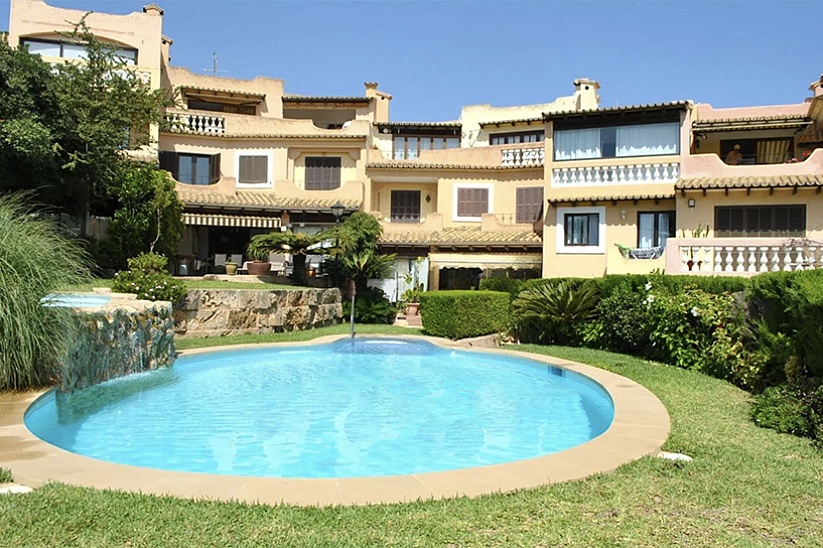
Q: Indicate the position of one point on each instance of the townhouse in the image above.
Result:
(564, 188)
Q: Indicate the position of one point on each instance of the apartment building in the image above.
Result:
(563, 188)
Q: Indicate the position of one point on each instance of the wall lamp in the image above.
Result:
(691, 202)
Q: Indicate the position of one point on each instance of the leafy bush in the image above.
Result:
(791, 409)
(625, 323)
(460, 314)
(511, 286)
(556, 311)
(149, 278)
(5, 476)
(36, 261)
(370, 306)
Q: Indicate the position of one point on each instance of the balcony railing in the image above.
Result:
(195, 123)
(741, 256)
(616, 175)
(522, 157)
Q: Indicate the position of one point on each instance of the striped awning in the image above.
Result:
(487, 261)
(213, 219)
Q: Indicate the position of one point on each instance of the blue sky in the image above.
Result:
(434, 57)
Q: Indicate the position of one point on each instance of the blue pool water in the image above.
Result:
(375, 407)
(76, 300)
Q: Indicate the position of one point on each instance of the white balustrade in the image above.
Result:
(196, 123)
(616, 174)
(522, 157)
(741, 256)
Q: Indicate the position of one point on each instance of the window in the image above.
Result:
(472, 202)
(759, 151)
(322, 172)
(252, 169)
(581, 230)
(617, 142)
(410, 147)
(221, 107)
(653, 229)
(529, 204)
(516, 138)
(760, 221)
(68, 50)
(405, 206)
(192, 169)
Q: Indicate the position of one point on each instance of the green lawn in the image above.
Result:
(746, 487)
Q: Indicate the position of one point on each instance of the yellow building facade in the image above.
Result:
(561, 188)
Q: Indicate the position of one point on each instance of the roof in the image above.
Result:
(677, 105)
(222, 93)
(463, 236)
(773, 181)
(259, 201)
(612, 198)
(214, 134)
(811, 134)
(323, 99)
(413, 164)
(512, 122)
(418, 124)
(752, 122)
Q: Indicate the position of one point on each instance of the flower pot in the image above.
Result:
(412, 309)
(259, 268)
(231, 269)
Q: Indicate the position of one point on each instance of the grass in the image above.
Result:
(5, 476)
(746, 487)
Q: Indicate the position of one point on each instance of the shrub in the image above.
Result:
(148, 277)
(5, 476)
(460, 314)
(556, 311)
(624, 320)
(36, 260)
(791, 409)
(511, 286)
(370, 306)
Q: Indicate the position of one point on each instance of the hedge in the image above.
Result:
(461, 314)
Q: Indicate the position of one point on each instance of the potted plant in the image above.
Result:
(411, 299)
(259, 265)
(231, 268)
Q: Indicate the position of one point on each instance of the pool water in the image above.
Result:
(76, 300)
(375, 407)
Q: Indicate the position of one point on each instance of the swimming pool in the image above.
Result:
(76, 300)
(375, 407)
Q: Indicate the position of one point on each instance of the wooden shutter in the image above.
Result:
(529, 204)
(472, 202)
(322, 172)
(253, 169)
(170, 162)
(405, 206)
(214, 168)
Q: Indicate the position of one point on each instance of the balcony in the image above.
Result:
(195, 123)
(711, 166)
(523, 157)
(620, 174)
(741, 256)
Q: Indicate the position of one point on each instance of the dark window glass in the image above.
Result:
(653, 229)
(472, 202)
(517, 138)
(529, 204)
(410, 147)
(322, 172)
(760, 221)
(581, 229)
(405, 206)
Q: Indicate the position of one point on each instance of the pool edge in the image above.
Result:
(640, 427)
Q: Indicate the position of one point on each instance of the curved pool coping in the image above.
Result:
(640, 427)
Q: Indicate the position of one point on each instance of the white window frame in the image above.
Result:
(269, 167)
(560, 229)
(489, 205)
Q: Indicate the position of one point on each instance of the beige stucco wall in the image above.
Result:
(502, 187)
(140, 31)
(272, 88)
(381, 199)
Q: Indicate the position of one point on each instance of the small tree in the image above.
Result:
(297, 244)
(148, 218)
(357, 256)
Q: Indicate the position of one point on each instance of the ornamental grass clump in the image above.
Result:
(35, 260)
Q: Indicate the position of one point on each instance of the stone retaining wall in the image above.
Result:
(217, 312)
(122, 337)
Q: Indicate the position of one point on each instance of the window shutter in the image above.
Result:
(214, 168)
(529, 207)
(169, 162)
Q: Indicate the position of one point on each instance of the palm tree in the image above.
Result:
(298, 244)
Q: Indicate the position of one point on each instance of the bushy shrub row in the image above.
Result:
(758, 333)
(460, 314)
(149, 278)
(370, 306)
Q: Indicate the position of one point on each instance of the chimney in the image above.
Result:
(153, 9)
(585, 94)
(381, 102)
(817, 87)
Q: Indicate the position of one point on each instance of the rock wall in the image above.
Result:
(125, 336)
(217, 312)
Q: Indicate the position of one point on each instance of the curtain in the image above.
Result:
(773, 152)
(576, 144)
(648, 140)
(645, 230)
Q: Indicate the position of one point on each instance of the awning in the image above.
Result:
(212, 219)
(487, 261)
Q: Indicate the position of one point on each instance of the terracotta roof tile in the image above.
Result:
(811, 134)
(512, 122)
(418, 124)
(324, 99)
(774, 181)
(413, 164)
(463, 236)
(263, 135)
(612, 198)
(608, 110)
(261, 201)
